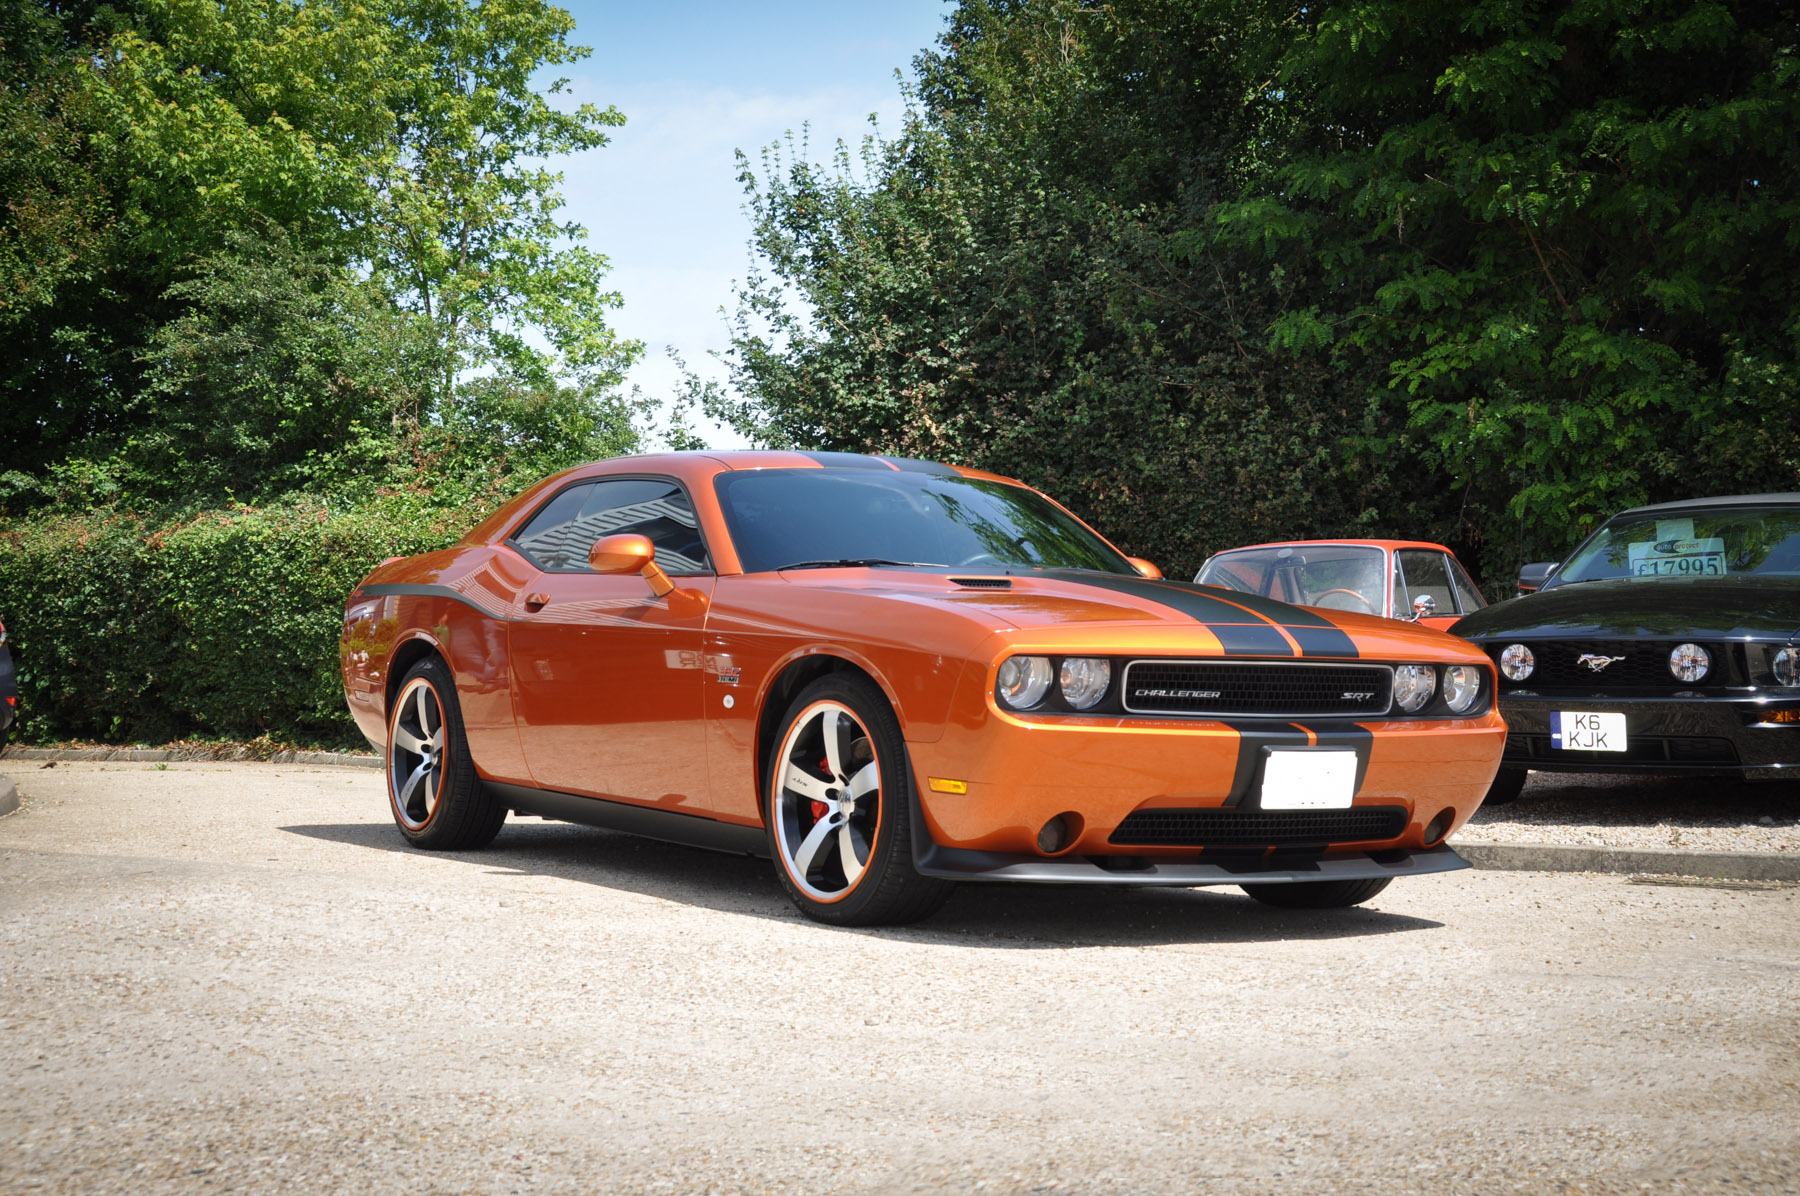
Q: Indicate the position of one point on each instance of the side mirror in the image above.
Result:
(1143, 566)
(629, 554)
(1424, 606)
(1532, 577)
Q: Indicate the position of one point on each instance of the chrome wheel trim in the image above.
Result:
(826, 807)
(416, 754)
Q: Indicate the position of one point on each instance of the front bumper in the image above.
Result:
(1019, 773)
(1695, 736)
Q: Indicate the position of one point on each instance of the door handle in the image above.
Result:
(535, 602)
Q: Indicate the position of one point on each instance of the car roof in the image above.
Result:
(1723, 500)
(1388, 544)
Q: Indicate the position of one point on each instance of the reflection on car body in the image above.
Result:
(1668, 642)
(892, 675)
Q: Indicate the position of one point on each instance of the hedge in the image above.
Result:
(220, 625)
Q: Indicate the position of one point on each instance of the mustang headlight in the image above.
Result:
(1689, 662)
(1023, 681)
(1084, 680)
(1462, 685)
(1517, 662)
(1787, 666)
(1413, 686)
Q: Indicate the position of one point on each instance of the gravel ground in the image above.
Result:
(1613, 810)
(235, 978)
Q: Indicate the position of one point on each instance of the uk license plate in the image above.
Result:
(1587, 731)
(1308, 779)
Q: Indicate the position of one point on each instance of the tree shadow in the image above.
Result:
(985, 915)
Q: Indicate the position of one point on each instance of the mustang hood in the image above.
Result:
(1742, 607)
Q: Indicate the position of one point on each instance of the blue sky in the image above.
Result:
(697, 81)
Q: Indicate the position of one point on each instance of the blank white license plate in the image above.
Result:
(1308, 780)
(1587, 731)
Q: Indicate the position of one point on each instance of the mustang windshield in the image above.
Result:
(1702, 542)
(781, 518)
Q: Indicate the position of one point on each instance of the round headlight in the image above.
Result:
(1462, 685)
(1689, 662)
(1024, 680)
(1413, 686)
(1787, 666)
(1517, 662)
(1084, 680)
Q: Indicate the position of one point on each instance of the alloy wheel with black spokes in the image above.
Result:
(436, 797)
(839, 820)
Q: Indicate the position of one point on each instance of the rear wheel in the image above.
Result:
(1319, 894)
(840, 809)
(437, 800)
(1507, 784)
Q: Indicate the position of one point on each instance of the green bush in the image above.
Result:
(222, 624)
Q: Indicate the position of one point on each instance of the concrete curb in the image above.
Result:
(9, 796)
(1559, 857)
(164, 755)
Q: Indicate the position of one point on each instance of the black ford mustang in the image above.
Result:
(1668, 642)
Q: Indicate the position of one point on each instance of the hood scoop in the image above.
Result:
(983, 583)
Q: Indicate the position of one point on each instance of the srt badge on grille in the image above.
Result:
(1596, 662)
(1352, 695)
(1176, 693)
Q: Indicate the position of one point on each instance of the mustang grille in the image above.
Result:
(1644, 665)
(1257, 689)
(1639, 749)
(1259, 828)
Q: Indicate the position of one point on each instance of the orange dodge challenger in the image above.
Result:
(892, 675)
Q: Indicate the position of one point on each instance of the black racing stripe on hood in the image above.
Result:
(1241, 619)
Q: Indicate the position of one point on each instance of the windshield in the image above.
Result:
(780, 518)
(1333, 576)
(1705, 542)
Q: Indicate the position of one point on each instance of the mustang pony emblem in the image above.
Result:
(1596, 662)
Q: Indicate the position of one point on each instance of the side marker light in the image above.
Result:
(943, 785)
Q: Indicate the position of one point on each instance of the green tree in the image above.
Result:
(1558, 239)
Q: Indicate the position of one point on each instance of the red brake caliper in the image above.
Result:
(818, 807)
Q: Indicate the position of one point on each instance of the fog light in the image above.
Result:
(1462, 685)
(1787, 666)
(1517, 662)
(1689, 662)
(1413, 686)
(1060, 833)
(1439, 826)
(1024, 680)
(1084, 680)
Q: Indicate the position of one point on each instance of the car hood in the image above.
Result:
(1107, 611)
(1744, 607)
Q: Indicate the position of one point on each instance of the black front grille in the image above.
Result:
(1624, 665)
(1639, 749)
(1259, 828)
(1257, 689)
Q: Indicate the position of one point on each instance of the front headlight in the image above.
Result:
(1689, 662)
(1413, 686)
(1787, 666)
(1084, 680)
(1023, 681)
(1517, 662)
(1462, 685)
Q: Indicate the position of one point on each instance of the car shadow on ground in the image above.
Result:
(1626, 799)
(986, 915)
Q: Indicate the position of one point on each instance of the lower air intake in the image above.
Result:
(1259, 828)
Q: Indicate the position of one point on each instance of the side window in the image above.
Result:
(1466, 592)
(1424, 574)
(558, 537)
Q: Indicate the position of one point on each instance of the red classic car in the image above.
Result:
(1414, 580)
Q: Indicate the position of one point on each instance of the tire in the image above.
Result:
(839, 786)
(1319, 894)
(1507, 784)
(437, 800)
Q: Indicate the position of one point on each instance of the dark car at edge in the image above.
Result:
(1668, 642)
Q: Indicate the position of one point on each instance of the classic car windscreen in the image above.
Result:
(1705, 542)
(1334, 576)
(784, 517)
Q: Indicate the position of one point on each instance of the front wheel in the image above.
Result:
(1319, 894)
(840, 809)
(437, 800)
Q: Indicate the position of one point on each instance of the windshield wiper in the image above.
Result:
(849, 563)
